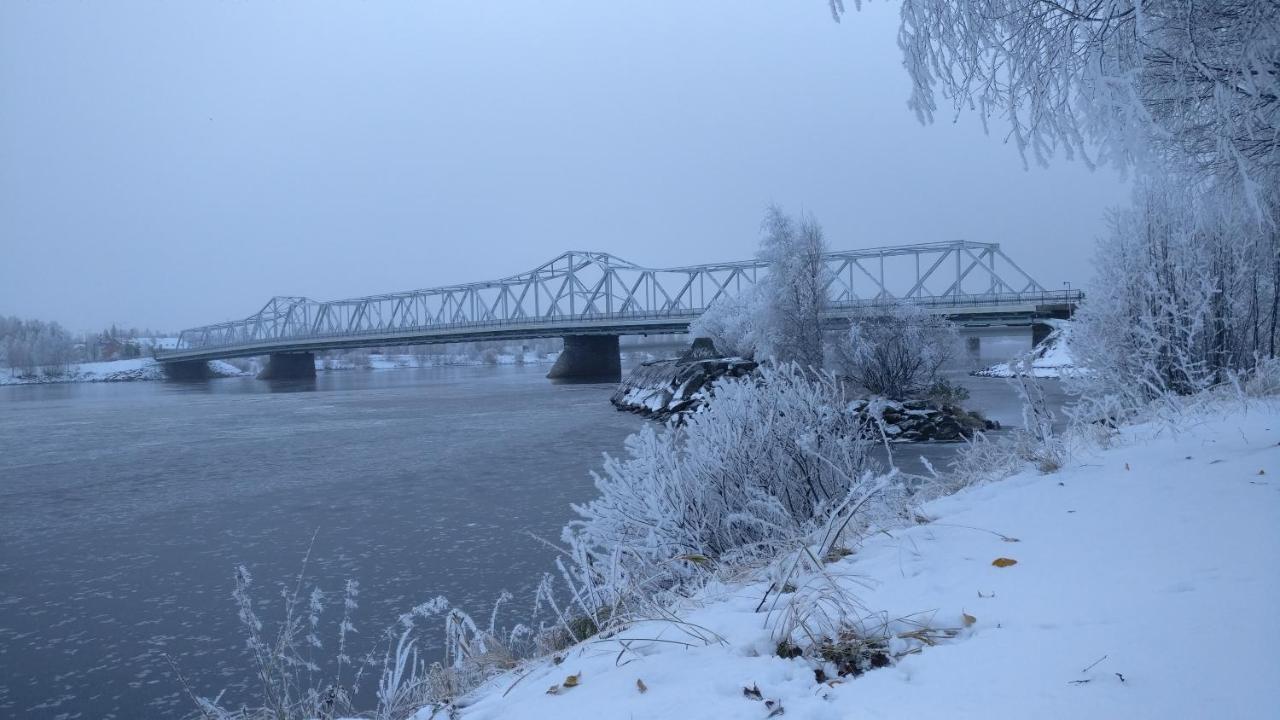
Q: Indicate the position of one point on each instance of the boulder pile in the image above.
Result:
(921, 421)
(664, 388)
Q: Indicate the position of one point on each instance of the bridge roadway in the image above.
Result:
(591, 299)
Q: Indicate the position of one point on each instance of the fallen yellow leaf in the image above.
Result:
(1004, 562)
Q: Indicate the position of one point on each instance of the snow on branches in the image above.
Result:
(896, 351)
(781, 317)
(763, 465)
(1187, 295)
(1195, 85)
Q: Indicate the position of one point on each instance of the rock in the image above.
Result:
(667, 389)
(664, 389)
(919, 421)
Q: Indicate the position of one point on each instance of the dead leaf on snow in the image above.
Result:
(641, 686)
(572, 680)
(1004, 562)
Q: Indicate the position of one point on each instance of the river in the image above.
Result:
(124, 509)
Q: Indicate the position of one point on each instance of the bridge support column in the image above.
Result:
(289, 366)
(588, 358)
(1039, 332)
(187, 370)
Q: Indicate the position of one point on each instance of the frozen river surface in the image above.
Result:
(124, 509)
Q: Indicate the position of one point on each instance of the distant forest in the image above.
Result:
(31, 346)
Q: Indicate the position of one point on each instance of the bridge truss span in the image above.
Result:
(583, 293)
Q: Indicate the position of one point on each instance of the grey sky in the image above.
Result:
(170, 164)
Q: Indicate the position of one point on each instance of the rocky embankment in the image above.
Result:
(922, 421)
(663, 389)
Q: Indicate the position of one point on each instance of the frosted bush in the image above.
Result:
(1186, 298)
(765, 463)
(896, 351)
(734, 323)
(1265, 380)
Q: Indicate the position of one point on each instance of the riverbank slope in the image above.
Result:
(1143, 587)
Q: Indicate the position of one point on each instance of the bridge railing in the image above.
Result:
(588, 321)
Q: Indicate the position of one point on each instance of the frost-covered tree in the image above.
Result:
(780, 318)
(1187, 293)
(794, 291)
(896, 351)
(30, 345)
(734, 324)
(1194, 82)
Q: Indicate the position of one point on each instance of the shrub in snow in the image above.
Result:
(1187, 297)
(734, 324)
(897, 351)
(298, 680)
(291, 682)
(1265, 379)
(766, 462)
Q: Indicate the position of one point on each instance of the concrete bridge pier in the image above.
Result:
(1039, 332)
(289, 366)
(588, 358)
(187, 370)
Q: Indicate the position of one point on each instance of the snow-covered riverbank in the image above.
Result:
(110, 371)
(1052, 358)
(1143, 586)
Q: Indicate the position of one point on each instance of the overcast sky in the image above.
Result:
(171, 164)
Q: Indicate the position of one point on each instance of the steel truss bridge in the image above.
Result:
(593, 293)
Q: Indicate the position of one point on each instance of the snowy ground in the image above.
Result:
(1145, 586)
(1050, 359)
(110, 371)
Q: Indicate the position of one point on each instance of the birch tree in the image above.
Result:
(795, 289)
